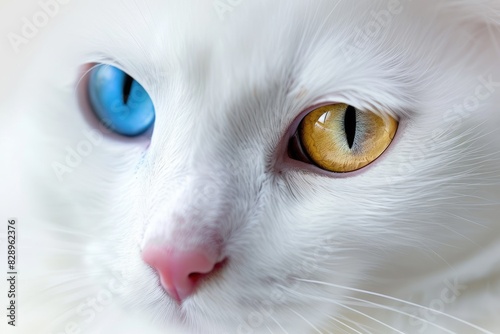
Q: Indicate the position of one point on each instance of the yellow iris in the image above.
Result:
(341, 139)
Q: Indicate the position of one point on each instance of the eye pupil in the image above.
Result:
(127, 87)
(350, 125)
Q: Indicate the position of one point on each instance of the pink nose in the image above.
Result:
(179, 271)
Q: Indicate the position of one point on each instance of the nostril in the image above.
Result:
(219, 266)
(195, 277)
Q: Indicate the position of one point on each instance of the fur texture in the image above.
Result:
(409, 244)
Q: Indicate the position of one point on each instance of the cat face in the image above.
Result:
(283, 242)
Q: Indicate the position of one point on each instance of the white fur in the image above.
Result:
(302, 245)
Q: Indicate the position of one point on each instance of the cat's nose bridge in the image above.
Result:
(196, 213)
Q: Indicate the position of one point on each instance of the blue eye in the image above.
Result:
(120, 102)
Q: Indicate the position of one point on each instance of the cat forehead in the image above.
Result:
(356, 51)
(229, 36)
(370, 54)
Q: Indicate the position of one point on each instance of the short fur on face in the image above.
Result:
(411, 243)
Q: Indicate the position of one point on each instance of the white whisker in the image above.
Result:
(344, 324)
(277, 323)
(377, 305)
(363, 327)
(307, 321)
(346, 307)
(398, 300)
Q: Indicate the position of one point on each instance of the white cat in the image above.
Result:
(212, 220)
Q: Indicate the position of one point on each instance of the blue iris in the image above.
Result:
(120, 102)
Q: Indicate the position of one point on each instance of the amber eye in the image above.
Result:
(339, 138)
